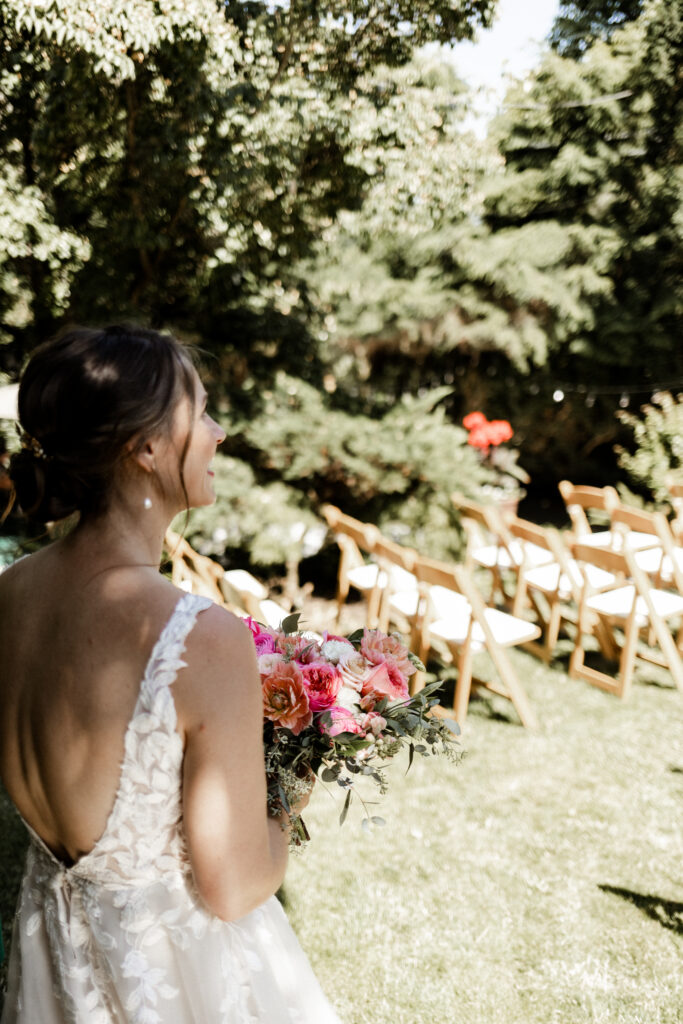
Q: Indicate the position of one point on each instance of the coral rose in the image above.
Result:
(285, 701)
(323, 683)
(382, 682)
(377, 647)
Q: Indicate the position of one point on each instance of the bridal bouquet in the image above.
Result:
(340, 707)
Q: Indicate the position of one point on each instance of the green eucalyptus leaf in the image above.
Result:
(290, 623)
(345, 808)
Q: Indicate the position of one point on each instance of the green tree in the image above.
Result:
(176, 163)
(567, 266)
(190, 149)
(579, 23)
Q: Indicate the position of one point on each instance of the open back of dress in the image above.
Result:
(121, 936)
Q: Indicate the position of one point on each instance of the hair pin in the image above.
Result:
(31, 444)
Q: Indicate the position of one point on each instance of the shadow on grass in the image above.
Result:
(665, 912)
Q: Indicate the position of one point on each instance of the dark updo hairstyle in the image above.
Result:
(83, 397)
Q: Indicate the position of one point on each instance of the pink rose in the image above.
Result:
(343, 721)
(383, 682)
(285, 701)
(263, 640)
(323, 683)
(306, 650)
(252, 625)
(377, 647)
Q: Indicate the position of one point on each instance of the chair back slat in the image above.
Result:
(387, 551)
(364, 535)
(580, 499)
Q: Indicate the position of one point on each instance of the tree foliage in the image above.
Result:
(175, 163)
(580, 23)
(564, 267)
(654, 460)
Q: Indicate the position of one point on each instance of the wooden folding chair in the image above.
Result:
(397, 584)
(557, 583)
(453, 613)
(632, 605)
(355, 538)
(490, 546)
(663, 559)
(195, 573)
(581, 499)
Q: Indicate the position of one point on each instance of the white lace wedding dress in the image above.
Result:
(121, 936)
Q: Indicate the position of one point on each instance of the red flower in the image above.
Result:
(485, 433)
(473, 419)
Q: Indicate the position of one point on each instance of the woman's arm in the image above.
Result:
(238, 854)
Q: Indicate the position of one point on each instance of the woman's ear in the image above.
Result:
(143, 454)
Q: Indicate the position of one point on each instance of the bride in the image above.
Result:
(131, 719)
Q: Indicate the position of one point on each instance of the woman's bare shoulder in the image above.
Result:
(219, 657)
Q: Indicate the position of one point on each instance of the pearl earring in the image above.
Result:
(147, 503)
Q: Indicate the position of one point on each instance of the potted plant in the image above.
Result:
(489, 437)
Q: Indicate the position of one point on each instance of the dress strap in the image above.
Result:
(166, 659)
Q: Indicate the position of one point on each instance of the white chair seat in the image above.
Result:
(400, 579)
(272, 613)
(364, 577)
(652, 562)
(549, 578)
(405, 602)
(633, 540)
(244, 583)
(454, 622)
(618, 603)
(491, 555)
(367, 577)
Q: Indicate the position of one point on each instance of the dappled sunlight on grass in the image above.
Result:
(491, 895)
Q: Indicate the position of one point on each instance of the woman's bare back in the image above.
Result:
(74, 646)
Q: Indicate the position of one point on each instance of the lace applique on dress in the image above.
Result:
(121, 937)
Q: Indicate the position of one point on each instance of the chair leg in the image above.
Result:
(373, 607)
(627, 660)
(552, 631)
(513, 686)
(463, 686)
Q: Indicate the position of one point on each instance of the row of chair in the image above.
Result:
(235, 589)
(435, 602)
(619, 585)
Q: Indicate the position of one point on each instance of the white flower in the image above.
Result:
(336, 651)
(267, 662)
(348, 698)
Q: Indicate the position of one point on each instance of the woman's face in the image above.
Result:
(204, 437)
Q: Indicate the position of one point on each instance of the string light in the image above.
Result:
(624, 391)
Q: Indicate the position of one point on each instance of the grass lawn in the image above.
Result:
(538, 882)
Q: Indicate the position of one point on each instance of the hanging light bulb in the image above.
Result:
(623, 401)
(558, 395)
